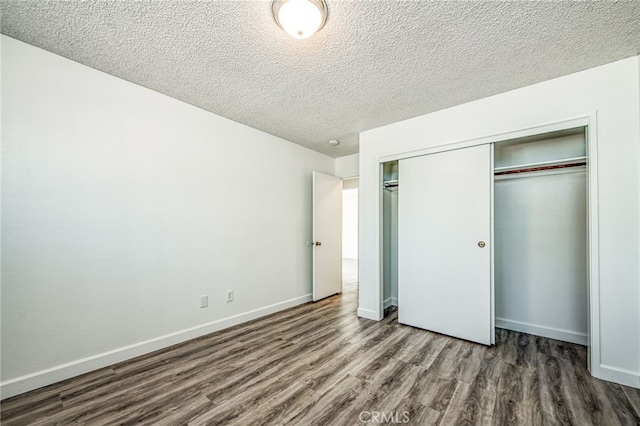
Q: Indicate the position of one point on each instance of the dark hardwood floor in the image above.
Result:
(319, 364)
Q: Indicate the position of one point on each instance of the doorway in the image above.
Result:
(350, 232)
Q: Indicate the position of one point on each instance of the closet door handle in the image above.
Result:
(481, 244)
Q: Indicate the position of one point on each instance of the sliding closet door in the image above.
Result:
(444, 253)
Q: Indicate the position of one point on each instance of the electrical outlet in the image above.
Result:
(229, 295)
(204, 301)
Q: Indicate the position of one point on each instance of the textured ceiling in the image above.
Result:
(374, 63)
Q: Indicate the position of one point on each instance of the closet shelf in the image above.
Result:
(390, 184)
(540, 166)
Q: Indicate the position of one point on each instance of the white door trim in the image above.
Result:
(566, 124)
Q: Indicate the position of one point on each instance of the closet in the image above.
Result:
(494, 235)
(540, 235)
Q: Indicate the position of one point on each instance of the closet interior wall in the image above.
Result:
(540, 236)
(390, 233)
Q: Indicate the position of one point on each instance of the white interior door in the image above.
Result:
(327, 235)
(444, 253)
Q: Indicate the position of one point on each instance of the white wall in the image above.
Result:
(350, 223)
(540, 239)
(121, 206)
(393, 261)
(347, 166)
(540, 229)
(390, 242)
(386, 247)
(612, 91)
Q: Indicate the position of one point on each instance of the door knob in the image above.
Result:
(481, 244)
(317, 243)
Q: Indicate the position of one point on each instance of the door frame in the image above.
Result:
(589, 123)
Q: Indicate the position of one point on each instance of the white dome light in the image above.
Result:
(300, 18)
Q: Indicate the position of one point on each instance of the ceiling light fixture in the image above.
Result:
(300, 18)
(334, 142)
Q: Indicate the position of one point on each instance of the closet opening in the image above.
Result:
(541, 235)
(390, 235)
(512, 215)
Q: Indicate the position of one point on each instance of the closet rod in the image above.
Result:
(541, 168)
(541, 164)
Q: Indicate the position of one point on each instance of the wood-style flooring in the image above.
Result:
(319, 364)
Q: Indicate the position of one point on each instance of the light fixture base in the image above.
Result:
(300, 18)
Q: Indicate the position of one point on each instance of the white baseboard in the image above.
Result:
(369, 314)
(68, 370)
(391, 301)
(544, 331)
(619, 375)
